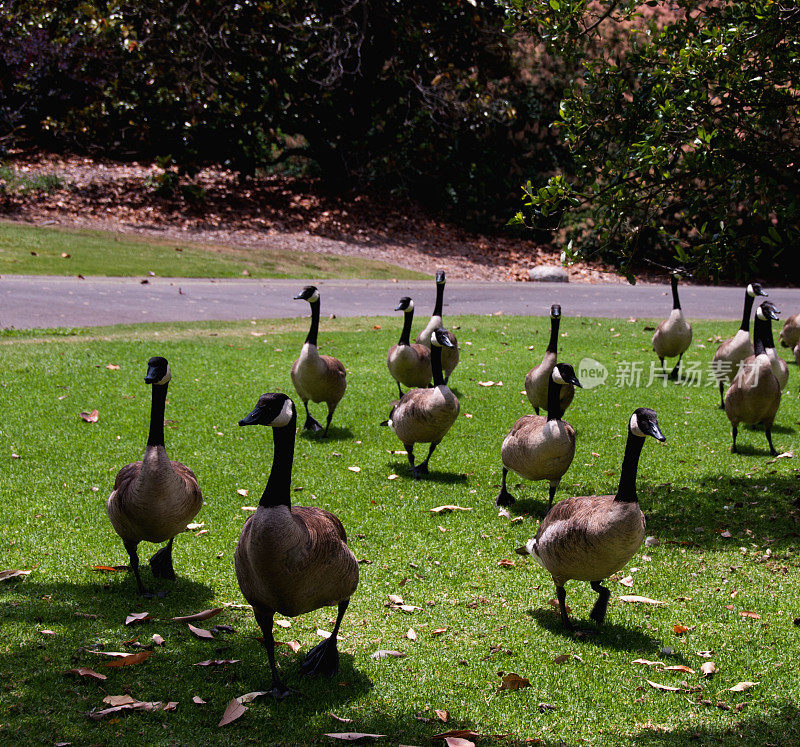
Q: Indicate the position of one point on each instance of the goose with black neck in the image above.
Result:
(734, 350)
(426, 415)
(319, 378)
(588, 538)
(755, 394)
(292, 559)
(539, 448)
(538, 378)
(155, 498)
(673, 336)
(450, 355)
(409, 363)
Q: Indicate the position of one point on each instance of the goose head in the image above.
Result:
(767, 311)
(755, 289)
(158, 371)
(644, 422)
(681, 273)
(440, 278)
(440, 337)
(406, 304)
(564, 373)
(555, 311)
(273, 409)
(309, 293)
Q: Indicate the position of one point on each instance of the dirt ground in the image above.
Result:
(273, 211)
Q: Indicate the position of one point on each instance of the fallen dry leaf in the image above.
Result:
(658, 686)
(740, 687)
(354, 736)
(680, 629)
(250, 697)
(284, 623)
(708, 669)
(442, 715)
(754, 615)
(648, 663)
(198, 700)
(705, 654)
(243, 492)
(293, 645)
(679, 668)
(554, 603)
(195, 525)
(504, 513)
(449, 507)
(110, 568)
(234, 710)
(458, 742)
(200, 632)
(6, 575)
(513, 681)
(562, 658)
(112, 367)
(506, 563)
(158, 640)
(395, 599)
(457, 734)
(354, 469)
(438, 631)
(129, 659)
(411, 635)
(393, 476)
(118, 700)
(215, 662)
(249, 508)
(726, 534)
(204, 615)
(136, 705)
(636, 598)
(340, 718)
(384, 653)
(137, 617)
(90, 417)
(86, 672)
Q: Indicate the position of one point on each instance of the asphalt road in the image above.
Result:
(38, 302)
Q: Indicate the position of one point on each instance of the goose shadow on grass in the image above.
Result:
(403, 469)
(335, 433)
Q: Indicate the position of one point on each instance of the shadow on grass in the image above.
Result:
(610, 635)
(403, 469)
(335, 433)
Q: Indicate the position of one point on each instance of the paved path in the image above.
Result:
(27, 302)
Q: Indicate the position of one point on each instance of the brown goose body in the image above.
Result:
(539, 449)
(153, 499)
(410, 364)
(450, 356)
(779, 367)
(730, 354)
(673, 336)
(319, 378)
(797, 353)
(790, 334)
(587, 538)
(536, 384)
(755, 394)
(424, 415)
(294, 560)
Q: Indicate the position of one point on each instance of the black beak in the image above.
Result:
(152, 375)
(773, 314)
(299, 297)
(574, 380)
(761, 292)
(399, 308)
(252, 418)
(652, 429)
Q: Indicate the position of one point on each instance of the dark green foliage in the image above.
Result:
(683, 137)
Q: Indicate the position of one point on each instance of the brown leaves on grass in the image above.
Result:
(293, 645)
(200, 632)
(753, 615)
(137, 617)
(90, 417)
(7, 575)
(740, 687)
(449, 507)
(128, 659)
(659, 686)
(512, 681)
(708, 669)
(637, 599)
(204, 615)
(130, 704)
(383, 653)
(354, 736)
(234, 710)
(215, 662)
(86, 672)
(110, 568)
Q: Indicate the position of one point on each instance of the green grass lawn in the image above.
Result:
(36, 250)
(727, 526)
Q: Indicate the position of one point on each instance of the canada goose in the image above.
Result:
(408, 363)
(590, 537)
(319, 378)
(797, 353)
(734, 350)
(674, 335)
(539, 448)
(154, 499)
(425, 415)
(755, 394)
(790, 334)
(450, 354)
(292, 560)
(536, 382)
(779, 366)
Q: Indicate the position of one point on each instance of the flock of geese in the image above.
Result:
(293, 560)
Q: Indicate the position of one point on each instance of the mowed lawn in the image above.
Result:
(726, 528)
(39, 250)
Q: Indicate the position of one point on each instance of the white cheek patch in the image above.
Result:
(634, 426)
(760, 314)
(284, 416)
(557, 377)
(750, 291)
(314, 297)
(410, 306)
(435, 341)
(167, 377)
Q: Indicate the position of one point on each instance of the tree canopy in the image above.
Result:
(684, 139)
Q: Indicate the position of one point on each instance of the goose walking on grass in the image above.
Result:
(449, 355)
(409, 363)
(734, 350)
(426, 415)
(790, 334)
(538, 378)
(319, 378)
(779, 366)
(674, 335)
(590, 537)
(292, 559)
(755, 394)
(539, 448)
(154, 499)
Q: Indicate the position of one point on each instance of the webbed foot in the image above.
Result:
(322, 659)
